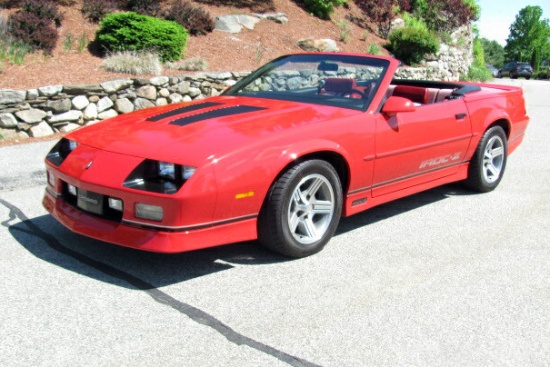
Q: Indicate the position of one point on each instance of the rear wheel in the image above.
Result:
(489, 161)
(302, 210)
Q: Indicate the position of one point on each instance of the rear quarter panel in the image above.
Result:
(497, 103)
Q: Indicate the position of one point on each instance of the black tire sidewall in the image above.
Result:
(277, 235)
(476, 176)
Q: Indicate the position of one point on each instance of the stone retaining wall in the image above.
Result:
(47, 110)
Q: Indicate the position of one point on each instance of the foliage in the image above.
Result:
(95, 10)
(528, 34)
(192, 64)
(478, 71)
(382, 12)
(373, 49)
(132, 31)
(196, 20)
(411, 43)
(133, 62)
(36, 32)
(47, 10)
(145, 7)
(493, 52)
(323, 8)
(345, 30)
(445, 15)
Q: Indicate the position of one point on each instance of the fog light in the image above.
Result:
(115, 204)
(71, 189)
(151, 212)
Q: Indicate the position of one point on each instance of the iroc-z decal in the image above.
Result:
(438, 161)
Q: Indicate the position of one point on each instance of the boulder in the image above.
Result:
(50, 90)
(40, 130)
(9, 96)
(148, 92)
(141, 103)
(7, 120)
(69, 116)
(318, 45)
(80, 102)
(90, 112)
(59, 106)
(124, 105)
(104, 104)
(113, 86)
(235, 23)
(31, 116)
(107, 114)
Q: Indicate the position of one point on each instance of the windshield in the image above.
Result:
(337, 80)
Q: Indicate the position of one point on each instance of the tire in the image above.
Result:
(499, 75)
(302, 210)
(489, 161)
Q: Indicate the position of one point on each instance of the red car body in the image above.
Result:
(240, 145)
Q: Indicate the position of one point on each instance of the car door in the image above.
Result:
(412, 148)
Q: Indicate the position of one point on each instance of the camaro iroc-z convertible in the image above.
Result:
(280, 156)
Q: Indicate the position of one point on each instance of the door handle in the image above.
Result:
(461, 116)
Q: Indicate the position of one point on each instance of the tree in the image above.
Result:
(445, 15)
(528, 38)
(493, 52)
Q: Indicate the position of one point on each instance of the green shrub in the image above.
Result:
(133, 62)
(477, 74)
(323, 8)
(411, 43)
(136, 32)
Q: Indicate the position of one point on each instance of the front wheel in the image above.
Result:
(302, 210)
(489, 161)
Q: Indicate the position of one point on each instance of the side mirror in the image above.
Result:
(395, 105)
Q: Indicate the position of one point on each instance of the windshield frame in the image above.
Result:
(328, 66)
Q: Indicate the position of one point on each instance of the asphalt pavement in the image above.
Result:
(443, 278)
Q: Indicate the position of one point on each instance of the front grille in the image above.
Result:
(91, 203)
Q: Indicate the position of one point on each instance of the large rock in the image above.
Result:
(113, 86)
(9, 96)
(50, 90)
(159, 80)
(59, 106)
(31, 116)
(107, 114)
(80, 102)
(104, 104)
(70, 116)
(7, 120)
(235, 23)
(141, 103)
(276, 17)
(40, 130)
(82, 89)
(124, 105)
(148, 92)
(318, 45)
(90, 112)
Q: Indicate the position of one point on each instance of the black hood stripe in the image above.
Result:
(221, 112)
(182, 110)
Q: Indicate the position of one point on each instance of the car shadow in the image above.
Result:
(49, 241)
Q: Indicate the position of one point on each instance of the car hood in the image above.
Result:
(189, 133)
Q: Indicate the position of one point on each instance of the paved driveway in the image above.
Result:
(443, 278)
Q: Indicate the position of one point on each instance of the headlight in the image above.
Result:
(60, 151)
(162, 177)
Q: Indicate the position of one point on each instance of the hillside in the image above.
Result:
(223, 51)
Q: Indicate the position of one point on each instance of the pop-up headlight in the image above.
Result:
(161, 177)
(61, 151)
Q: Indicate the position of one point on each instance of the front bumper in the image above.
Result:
(150, 238)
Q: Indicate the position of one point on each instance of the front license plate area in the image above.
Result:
(90, 201)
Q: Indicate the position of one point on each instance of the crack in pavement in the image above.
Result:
(192, 312)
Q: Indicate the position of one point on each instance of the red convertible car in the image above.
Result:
(280, 156)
